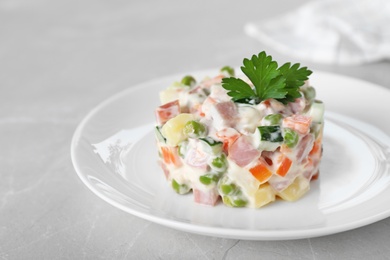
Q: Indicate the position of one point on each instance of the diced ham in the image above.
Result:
(196, 109)
(209, 82)
(206, 106)
(271, 106)
(299, 123)
(165, 169)
(167, 111)
(209, 197)
(298, 105)
(219, 93)
(308, 168)
(242, 151)
(304, 147)
(224, 114)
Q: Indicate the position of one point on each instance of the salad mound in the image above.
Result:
(247, 140)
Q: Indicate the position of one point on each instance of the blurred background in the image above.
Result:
(59, 59)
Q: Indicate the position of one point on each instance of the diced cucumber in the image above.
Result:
(316, 112)
(211, 146)
(270, 133)
(316, 129)
(309, 93)
(262, 138)
(159, 136)
(182, 148)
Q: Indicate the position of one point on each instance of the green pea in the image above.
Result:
(232, 202)
(179, 188)
(239, 203)
(227, 188)
(229, 70)
(291, 137)
(188, 81)
(273, 119)
(219, 163)
(194, 129)
(227, 201)
(208, 179)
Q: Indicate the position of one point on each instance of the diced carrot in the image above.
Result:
(170, 155)
(228, 137)
(316, 147)
(284, 166)
(268, 161)
(166, 154)
(267, 103)
(315, 176)
(299, 123)
(261, 171)
(228, 142)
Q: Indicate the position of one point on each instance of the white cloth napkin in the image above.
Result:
(346, 32)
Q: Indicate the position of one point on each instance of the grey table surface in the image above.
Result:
(58, 60)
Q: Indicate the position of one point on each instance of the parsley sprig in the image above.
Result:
(269, 81)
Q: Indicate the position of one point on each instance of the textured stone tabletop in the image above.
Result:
(58, 60)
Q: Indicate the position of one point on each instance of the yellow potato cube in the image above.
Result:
(168, 95)
(297, 189)
(173, 128)
(264, 195)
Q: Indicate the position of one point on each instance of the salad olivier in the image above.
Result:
(247, 140)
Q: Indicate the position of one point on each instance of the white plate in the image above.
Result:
(113, 153)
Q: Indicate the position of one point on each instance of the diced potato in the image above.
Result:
(264, 195)
(296, 189)
(172, 129)
(169, 95)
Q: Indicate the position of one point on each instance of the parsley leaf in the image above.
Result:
(240, 91)
(268, 81)
(295, 78)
